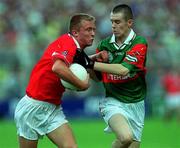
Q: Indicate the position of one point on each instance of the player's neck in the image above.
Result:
(120, 40)
(81, 44)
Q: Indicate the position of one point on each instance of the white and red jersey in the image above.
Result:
(44, 84)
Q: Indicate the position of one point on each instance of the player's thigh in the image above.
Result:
(63, 136)
(25, 143)
(135, 144)
(120, 126)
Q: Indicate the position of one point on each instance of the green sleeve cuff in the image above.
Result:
(129, 66)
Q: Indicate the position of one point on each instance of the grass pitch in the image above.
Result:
(89, 134)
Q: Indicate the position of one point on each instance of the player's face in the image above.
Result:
(86, 33)
(120, 26)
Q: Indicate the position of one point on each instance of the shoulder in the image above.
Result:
(104, 43)
(65, 37)
(140, 40)
(63, 40)
(106, 40)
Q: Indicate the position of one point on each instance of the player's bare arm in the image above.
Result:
(62, 70)
(111, 68)
(101, 64)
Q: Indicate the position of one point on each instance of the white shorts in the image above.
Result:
(133, 112)
(36, 118)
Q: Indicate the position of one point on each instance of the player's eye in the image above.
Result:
(117, 21)
(90, 29)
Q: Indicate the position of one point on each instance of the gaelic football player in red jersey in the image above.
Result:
(123, 76)
(39, 112)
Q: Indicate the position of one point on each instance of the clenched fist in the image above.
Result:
(102, 56)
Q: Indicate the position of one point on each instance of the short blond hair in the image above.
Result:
(75, 21)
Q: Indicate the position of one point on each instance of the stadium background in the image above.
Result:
(26, 28)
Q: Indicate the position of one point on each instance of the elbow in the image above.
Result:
(58, 66)
(54, 69)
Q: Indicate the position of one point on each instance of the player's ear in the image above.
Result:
(74, 33)
(130, 23)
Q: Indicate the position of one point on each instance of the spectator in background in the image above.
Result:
(39, 112)
(171, 85)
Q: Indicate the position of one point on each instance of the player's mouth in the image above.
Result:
(114, 31)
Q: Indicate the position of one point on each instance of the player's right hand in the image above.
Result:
(102, 56)
(86, 83)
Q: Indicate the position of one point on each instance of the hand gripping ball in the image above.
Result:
(77, 70)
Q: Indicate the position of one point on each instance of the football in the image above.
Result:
(77, 70)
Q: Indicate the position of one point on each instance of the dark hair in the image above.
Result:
(75, 21)
(125, 9)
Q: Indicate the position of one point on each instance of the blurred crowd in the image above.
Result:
(26, 28)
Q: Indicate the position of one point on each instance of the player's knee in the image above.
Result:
(69, 145)
(126, 140)
(116, 144)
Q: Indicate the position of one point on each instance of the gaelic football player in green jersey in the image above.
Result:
(123, 57)
(124, 79)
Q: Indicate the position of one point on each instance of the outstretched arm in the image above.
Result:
(98, 63)
(111, 68)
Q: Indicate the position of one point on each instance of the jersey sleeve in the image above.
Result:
(64, 51)
(135, 58)
(99, 47)
(97, 50)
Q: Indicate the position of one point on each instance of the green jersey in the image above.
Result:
(132, 55)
